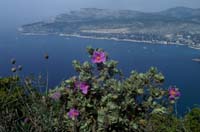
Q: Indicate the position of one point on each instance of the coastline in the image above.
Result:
(115, 39)
(127, 40)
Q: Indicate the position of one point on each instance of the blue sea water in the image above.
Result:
(175, 62)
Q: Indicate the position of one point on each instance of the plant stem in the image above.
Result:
(47, 83)
(176, 111)
(75, 126)
(94, 125)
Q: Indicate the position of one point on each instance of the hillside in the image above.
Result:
(179, 25)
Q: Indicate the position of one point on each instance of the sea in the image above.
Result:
(174, 61)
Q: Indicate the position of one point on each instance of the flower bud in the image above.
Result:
(46, 56)
(13, 61)
(20, 67)
(13, 69)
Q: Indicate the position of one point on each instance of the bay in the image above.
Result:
(174, 61)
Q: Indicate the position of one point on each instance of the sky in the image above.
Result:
(16, 12)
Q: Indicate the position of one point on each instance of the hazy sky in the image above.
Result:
(23, 11)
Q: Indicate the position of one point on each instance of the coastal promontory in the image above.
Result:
(178, 25)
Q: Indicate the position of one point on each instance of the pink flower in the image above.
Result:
(56, 96)
(98, 57)
(73, 113)
(83, 87)
(174, 93)
(26, 120)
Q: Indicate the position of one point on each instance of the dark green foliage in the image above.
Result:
(22, 108)
(192, 120)
(12, 99)
(164, 123)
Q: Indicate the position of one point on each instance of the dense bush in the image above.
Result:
(11, 104)
(192, 120)
(98, 99)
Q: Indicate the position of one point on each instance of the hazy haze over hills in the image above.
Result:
(14, 13)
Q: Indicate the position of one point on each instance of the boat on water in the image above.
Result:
(196, 59)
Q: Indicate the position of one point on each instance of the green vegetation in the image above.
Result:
(192, 120)
(98, 99)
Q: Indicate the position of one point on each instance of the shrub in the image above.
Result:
(105, 101)
(192, 120)
(98, 99)
(164, 123)
(11, 103)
